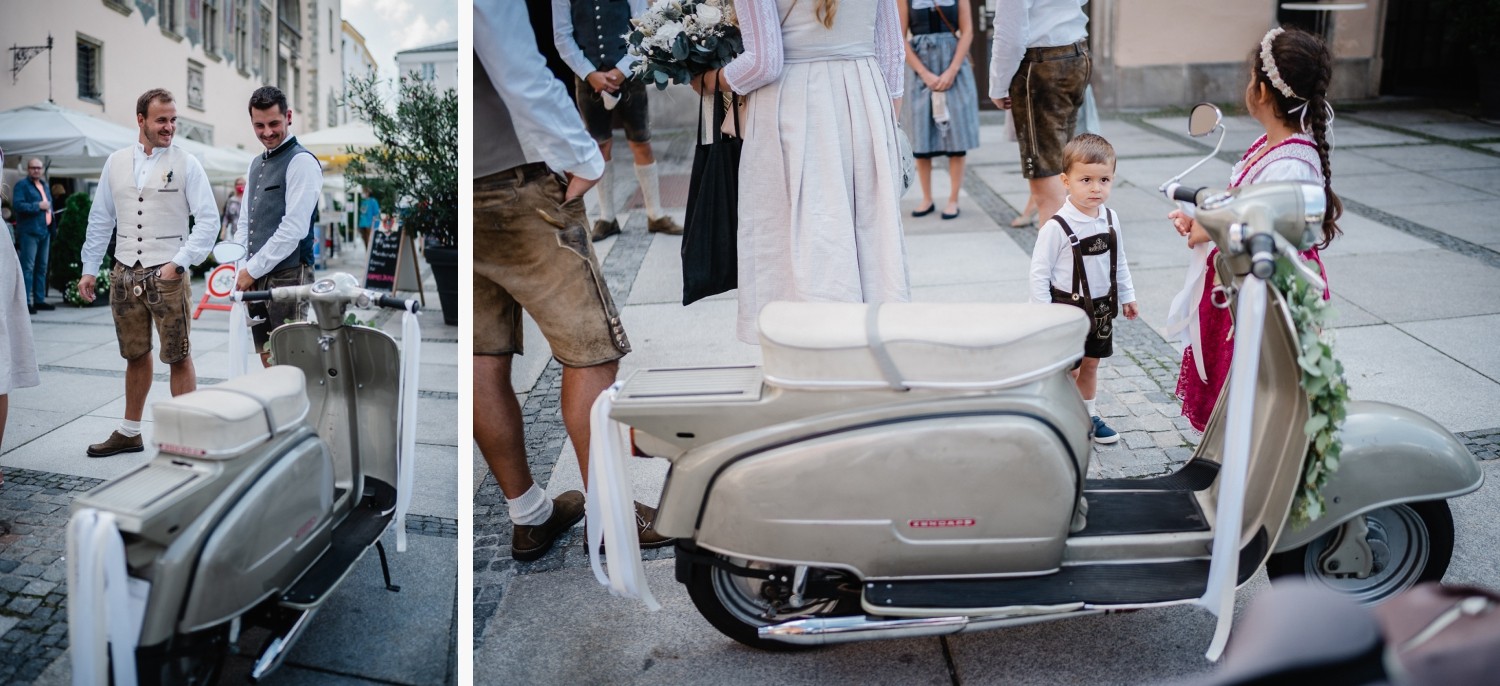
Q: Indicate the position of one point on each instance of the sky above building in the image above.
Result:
(390, 26)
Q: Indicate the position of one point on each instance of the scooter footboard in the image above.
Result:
(989, 492)
(1391, 455)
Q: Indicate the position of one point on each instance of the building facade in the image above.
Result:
(437, 64)
(358, 64)
(211, 54)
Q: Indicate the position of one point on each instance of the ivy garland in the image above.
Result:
(1323, 381)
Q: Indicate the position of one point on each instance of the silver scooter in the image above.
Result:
(920, 469)
(265, 491)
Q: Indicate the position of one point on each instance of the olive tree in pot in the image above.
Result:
(418, 158)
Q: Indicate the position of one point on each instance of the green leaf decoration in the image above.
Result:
(1323, 382)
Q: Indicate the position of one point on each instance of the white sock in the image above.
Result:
(1089, 403)
(532, 508)
(129, 429)
(650, 188)
(607, 193)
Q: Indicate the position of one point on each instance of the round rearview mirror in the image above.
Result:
(1204, 119)
(227, 252)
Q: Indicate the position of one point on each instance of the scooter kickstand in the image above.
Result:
(385, 568)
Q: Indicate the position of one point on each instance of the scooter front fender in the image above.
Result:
(1391, 455)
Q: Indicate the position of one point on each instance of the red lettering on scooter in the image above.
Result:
(939, 523)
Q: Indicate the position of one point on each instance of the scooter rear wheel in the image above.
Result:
(739, 605)
(1411, 543)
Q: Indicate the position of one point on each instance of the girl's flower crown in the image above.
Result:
(1268, 63)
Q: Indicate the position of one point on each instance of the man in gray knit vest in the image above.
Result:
(146, 194)
(590, 38)
(277, 218)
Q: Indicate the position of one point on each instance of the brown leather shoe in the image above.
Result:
(604, 229)
(645, 522)
(531, 542)
(117, 443)
(664, 225)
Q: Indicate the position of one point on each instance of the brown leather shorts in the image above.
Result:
(1046, 94)
(274, 313)
(532, 251)
(138, 299)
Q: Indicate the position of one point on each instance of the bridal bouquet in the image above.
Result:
(677, 39)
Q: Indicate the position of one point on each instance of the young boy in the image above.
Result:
(1079, 259)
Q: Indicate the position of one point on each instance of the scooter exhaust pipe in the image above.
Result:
(830, 630)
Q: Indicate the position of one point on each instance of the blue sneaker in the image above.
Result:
(1103, 434)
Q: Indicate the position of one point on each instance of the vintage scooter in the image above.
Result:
(265, 491)
(921, 469)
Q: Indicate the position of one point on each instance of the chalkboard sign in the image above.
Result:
(393, 264)
(386, 250)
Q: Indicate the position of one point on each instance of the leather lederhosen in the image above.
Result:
(1101, 312)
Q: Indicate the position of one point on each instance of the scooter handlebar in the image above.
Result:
(252, 296)
(1185, 194)
(411, 306)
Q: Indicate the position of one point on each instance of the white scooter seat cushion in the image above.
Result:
(929, 345)
(222, 421)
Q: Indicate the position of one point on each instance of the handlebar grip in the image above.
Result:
(398, 304)
(253, 296)
(1262, 249)
(1187, 195)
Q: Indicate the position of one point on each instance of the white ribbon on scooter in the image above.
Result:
(610, 505)
(411, 365)
(239, 338)
(105, 606)
(1223, 571)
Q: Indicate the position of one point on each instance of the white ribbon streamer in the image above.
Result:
(105, 606)
(411, 365)
(1182, 319)
(1223, 571)
(239, 338)
(610, 505)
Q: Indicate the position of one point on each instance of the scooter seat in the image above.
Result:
(219, 422)
(917, 345)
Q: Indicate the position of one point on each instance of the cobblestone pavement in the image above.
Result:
(33, 572)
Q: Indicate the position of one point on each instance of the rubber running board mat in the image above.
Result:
(1118, 513)
(1196, 475)
(351, 538)
(1096, 584)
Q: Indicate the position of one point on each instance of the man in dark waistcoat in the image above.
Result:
(590, 38)
(278, 215)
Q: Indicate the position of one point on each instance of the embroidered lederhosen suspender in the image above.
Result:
(1102, 311)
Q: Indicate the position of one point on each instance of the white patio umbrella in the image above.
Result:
(332, 145)
(76, 144)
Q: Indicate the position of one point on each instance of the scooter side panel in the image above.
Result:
(1391, 455)
(954, 495)
(272, 533)
(718, 433)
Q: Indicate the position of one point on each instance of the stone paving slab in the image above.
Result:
(702, 334)
(1461, 131)
(1427, 158)
(660, 278)
(25, 425)
(1362, 236)
(536, 639)
(1428, 380)
(1368, 282)
(1470, 340)
(1486, 180)
(960, 258)
(1407, 188)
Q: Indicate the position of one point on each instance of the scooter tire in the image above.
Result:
(1428, 526)
(707, 588)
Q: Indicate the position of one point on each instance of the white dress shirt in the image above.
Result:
(543, 117)
(1022, 24)
(1052, 257)
(201, 205)
(304, 182)
(567, 44)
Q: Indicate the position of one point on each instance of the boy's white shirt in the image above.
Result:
(1052, 257)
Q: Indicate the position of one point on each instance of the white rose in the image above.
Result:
(709, 15)
(668, 35)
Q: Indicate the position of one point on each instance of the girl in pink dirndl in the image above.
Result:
(1288, 95)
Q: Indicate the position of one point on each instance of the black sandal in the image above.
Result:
(923, 213)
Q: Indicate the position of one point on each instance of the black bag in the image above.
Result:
(709, 257)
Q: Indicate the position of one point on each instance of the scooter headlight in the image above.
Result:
(1314, 206)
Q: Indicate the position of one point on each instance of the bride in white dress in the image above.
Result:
(820, 174)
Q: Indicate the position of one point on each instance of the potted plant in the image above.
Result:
(418, 160)
(66, 261)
